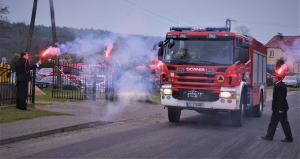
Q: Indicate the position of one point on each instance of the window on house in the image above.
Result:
(271, 53)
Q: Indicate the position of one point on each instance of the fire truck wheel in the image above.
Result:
(237, 116)
(174, 114)
(259, 108)
(112, 96)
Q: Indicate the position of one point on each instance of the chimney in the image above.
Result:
(279, 36)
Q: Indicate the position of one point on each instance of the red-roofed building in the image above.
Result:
(286, 47)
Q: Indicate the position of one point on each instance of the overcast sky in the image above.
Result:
(264, 18)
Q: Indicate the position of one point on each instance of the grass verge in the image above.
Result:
(8, 113)
(293, 88)
(288, 88)
(48, 97)
(11, 114)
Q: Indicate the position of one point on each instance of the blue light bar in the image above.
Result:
(218, 29)
(197, 29)
(181, 29)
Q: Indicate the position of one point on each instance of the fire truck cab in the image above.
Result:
(212, 70)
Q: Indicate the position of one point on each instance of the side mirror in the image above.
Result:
(245, 44)
(160, 54)
(160, 44)
(244, 56)
(153, 72)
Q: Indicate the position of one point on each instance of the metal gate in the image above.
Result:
(81, 81)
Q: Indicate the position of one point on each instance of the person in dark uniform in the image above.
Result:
(146, 82)
(23, 77)
(280, 108)
(116, 77)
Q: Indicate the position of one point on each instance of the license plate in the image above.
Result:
(195, 105)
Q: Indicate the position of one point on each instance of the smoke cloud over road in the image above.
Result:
(291, 54)
(123, 53)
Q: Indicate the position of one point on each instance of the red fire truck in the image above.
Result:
(212, 70)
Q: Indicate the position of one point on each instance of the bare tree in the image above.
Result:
(3, 12)
(18, 37)
(3, 20)
(242, 30)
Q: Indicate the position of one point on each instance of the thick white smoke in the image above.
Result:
(292, 54)
(89, 47)
(128, 51)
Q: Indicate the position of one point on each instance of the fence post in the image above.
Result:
(94, 87)
(33, 86)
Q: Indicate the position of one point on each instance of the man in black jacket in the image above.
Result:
(23, 77)
(280, 108)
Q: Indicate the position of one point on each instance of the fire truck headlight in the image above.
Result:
(227, 94)
(166, 91)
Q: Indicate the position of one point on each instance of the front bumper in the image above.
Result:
(221, 104)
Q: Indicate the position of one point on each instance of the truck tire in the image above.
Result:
(259, 108)
(174, 114)
(237, 116)
(112, 97)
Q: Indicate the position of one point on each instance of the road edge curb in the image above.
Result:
(53, 131)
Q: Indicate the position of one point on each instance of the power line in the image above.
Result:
(166, 13)
(143, 14)
(151, 11)
(272, 24)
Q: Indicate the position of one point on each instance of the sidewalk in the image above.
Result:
(86, 114)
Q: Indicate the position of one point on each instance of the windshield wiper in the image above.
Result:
(193, 61)
(179, 61)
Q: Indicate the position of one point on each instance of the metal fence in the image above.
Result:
(8, 87)
(67, 80)
(81, 81)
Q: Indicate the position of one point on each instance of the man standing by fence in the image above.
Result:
(23, 77)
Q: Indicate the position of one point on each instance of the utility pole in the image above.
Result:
(58, 74)
(31, 26)
(29, 45)
(228, 23)
(53, 23)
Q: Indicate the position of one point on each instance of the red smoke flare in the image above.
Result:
(108, 50)
(281, 71)
(51, 51)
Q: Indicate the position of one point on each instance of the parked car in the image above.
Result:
(46, 71)
(38, 77)
(298, 78)
(88, 82)
(51, 82)
(13, 78)
(291, 81)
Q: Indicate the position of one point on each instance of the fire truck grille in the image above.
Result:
(189, 80)
(195, 95)
(195, 75)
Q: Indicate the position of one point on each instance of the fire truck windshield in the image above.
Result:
(200, 52)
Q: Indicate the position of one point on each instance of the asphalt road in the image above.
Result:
(152, 136)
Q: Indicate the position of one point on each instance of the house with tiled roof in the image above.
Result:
(286, 47)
